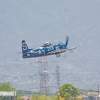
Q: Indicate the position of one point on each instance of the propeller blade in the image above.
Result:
(67, 40)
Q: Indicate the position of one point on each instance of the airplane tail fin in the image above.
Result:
(24, 47)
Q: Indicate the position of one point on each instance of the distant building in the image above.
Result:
(82, 96)
(89, 96)
(93, 96)
(93, 93)
(26, 98)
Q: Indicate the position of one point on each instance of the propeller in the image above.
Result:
(67, 40)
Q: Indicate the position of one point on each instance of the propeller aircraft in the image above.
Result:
(45, 50)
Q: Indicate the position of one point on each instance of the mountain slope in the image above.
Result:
(42, 20)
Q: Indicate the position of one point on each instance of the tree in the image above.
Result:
(67, 91)
(5, 87)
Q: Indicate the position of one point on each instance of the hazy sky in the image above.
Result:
(38, 21)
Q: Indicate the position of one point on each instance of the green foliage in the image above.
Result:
(67, 91)
(44, 97)
(6, 87)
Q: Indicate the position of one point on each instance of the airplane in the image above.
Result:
(45, 50)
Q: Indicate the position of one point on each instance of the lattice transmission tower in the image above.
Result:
(44, 77)
(58, 76)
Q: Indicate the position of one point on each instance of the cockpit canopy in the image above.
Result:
(46, 44)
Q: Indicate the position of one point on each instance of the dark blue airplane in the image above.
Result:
(45, 50)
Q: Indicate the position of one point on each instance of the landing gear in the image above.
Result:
(58, 55)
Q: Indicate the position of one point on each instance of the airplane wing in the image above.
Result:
(71, 49)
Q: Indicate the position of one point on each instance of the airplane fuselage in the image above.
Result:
(52, 49)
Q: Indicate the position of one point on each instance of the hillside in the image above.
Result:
(50, 20)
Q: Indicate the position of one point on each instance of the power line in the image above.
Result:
(29, 63)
